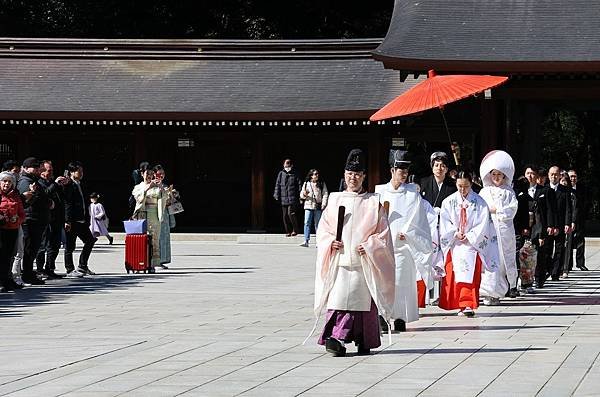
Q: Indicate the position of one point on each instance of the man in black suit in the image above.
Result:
(563, 221)
(437, 187)
(579, 217)
(46, 256)
(539, 201)
(76, 223)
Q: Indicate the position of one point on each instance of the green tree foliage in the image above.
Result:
(570, 139)
(188, 19)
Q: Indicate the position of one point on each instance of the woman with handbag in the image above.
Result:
(315, 194)
(98, 218)
(168, 220)
(150, 204)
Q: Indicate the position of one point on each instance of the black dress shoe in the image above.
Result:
(583, 268)
(555, 278)
(399, 325)
(32, 279)
(383, 324)
(13, 285)
(363, 351)
(53, 276)
(334, 347)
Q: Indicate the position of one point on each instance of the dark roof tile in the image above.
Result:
(329, 77)
(515, 35)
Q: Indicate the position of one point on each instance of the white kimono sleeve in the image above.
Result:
(418, 236)
(448, 225)
(508, 207)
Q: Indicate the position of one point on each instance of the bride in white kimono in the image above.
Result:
(469, 244)
(411, 238)
(497, 170)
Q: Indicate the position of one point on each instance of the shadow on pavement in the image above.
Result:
(533, 314)
(481, 327)
(461, 350)
(205, 255)
(57, 291)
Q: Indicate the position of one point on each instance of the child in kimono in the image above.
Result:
(98, 218)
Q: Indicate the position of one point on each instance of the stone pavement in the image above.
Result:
(228, 319)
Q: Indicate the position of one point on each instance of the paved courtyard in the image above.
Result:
(229, 319)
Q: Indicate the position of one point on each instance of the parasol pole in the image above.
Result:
(454, 153)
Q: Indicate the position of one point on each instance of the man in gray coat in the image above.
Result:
(287, 192)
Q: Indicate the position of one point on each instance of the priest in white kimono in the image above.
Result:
(497, 170)
(411, 237)
(469, 244)
(355, 272)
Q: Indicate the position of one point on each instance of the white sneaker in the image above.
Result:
(74, 274)
(487, 301)
(460, 314)
(85, 271)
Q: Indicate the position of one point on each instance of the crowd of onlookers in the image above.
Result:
(40, 212)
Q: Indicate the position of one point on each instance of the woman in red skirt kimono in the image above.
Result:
(469, 244)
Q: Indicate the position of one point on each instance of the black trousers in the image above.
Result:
(542, 265)
(48, 252)
(558, 259)
(8, 243)
(82, 231)
(579, 247)
(33, 231)
(290, 220)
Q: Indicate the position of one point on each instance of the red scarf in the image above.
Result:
(462, 220)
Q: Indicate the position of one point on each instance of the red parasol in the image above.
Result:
(435, 92)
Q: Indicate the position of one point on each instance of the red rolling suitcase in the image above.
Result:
(138, 252)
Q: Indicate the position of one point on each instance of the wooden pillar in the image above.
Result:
(374, 148)
(139, 143)
(23, 149)
(258, 185)
(489, 126)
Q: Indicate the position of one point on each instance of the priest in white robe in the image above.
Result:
(355, 273)
(469, 244)
(497, 170)
(411, 237)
